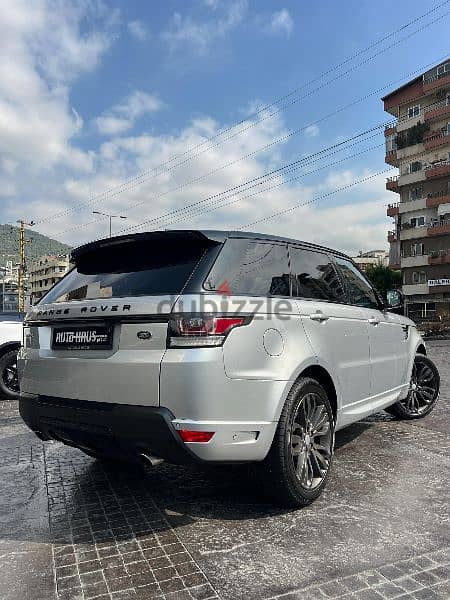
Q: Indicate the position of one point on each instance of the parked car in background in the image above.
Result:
(218, 347)
(10, 340)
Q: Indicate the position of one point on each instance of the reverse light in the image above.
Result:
(191, 331)
(195, 436)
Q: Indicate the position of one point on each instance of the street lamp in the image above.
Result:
(111, 217)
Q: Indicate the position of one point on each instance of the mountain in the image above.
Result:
(39, 246)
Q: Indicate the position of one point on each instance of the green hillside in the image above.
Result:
(40, 245)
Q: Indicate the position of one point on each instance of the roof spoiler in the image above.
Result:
(186, 235)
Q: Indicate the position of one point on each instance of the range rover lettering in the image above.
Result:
(218, 347)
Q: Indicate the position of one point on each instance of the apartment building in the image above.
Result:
(418, 143)
(44, 273)
(373, 258)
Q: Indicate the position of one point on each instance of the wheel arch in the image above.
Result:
(8, 346)
(322, 376)
(421, 349)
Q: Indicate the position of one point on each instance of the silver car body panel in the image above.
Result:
(237, 390)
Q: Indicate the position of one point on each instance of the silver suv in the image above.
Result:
(218, 347)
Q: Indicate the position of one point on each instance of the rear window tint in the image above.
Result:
(314, 276)
(249, 268)
(137, 269)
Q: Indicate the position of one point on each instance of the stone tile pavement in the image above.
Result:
(72, 528)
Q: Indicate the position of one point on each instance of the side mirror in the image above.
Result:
(394, 301)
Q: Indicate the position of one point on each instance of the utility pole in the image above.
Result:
(22, 263)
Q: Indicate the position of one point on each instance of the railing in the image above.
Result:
(394, 205)
(437, 105)
(438, 194)
(439, 253)
(442, 223)
(442, 163)
(429, 78)
(394, 178)
(436, 135)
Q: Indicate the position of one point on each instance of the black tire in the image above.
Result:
(278, 470)
(9, 385)
(418, 405)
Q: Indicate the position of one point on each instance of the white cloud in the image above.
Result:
(312, 131)
(44, 172)
(138, 30)
(184, 31)
(123, 116)
(281, 22)
(43, 51)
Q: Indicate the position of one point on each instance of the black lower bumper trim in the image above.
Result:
(111, 429)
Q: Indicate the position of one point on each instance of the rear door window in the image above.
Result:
(251, 268)
(315, 276)
(145, 268)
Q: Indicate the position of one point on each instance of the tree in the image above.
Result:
(384, 278)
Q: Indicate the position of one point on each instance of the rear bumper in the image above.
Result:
(117, 429)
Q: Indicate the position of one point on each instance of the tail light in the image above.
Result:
(194, 331)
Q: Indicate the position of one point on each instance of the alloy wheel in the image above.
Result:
(311, 441)
(10, 376)
(423, 389)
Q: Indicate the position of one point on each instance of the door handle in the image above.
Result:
(373, 321)
(318, 316)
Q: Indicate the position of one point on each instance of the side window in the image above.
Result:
(250, 268)
(359, 291)
(314, 276)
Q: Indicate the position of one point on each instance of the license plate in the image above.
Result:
(83, 338)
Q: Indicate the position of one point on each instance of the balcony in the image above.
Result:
(439, 257)
(409, 232)
(436, 140)
(392, 237)
(391, 158)
(437, 199)
(440, 228)
(392, 183)
(414, 261)
(392, 209)
(440, 169)
(415, 288)
(434, 82)
(437, 111)
(390, 129)
(412, 205)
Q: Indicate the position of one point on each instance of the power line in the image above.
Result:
(254, 152)
(259, 180)
(118, 188)
(288, 166)
(220, 205)
(340, 189)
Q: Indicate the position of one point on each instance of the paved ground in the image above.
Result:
(72, 529)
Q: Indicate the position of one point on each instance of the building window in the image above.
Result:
(448, 100)
(419, 277)
(414, 111)
(417, 249)
(415, 166)
(415, 193)
(442, 69)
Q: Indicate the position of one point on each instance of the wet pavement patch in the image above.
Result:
(74, 528)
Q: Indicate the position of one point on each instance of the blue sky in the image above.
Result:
(94, 92)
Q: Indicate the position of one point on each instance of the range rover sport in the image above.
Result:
(215, 347)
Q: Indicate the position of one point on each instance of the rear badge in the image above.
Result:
(144, 335)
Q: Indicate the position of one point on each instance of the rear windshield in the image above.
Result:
(145, 268)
